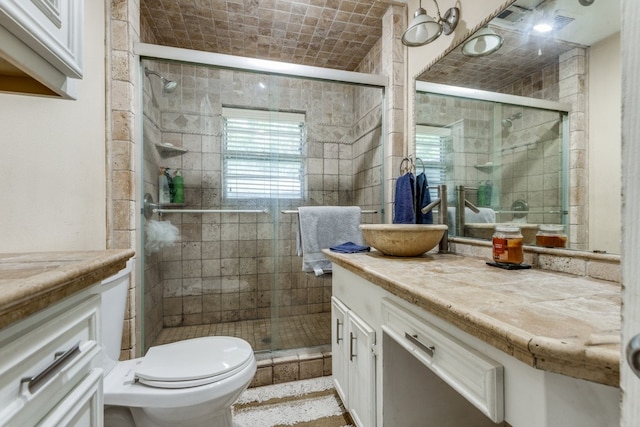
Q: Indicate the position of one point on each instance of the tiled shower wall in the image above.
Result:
(471, 134)
(531, 165)
(525, 159)
(231, 266)
(565, 82)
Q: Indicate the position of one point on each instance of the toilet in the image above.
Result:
(189, 383)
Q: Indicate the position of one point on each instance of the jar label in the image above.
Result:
(508, 251)
(500, 249)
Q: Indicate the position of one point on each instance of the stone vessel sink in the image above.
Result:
(402, 239)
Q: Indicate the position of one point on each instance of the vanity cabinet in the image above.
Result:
(51, 366)
(41, 49)
(354, 363)
(430, 372)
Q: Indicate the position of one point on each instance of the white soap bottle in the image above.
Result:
(164, 195)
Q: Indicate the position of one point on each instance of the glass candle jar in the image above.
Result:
(507, 245)
(551, 236)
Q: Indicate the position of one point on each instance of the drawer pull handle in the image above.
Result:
(351, 339)
(338, 324)
(414, 339)
(60, 358)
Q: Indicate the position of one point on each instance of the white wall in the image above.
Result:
(604, 95)
(52, 161)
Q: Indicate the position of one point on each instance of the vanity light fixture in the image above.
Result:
(484, 42)
(424, 29)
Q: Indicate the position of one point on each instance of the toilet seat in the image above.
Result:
(193, 362)
(122, 387)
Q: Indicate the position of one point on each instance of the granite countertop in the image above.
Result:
(551, 321)
(30, 282)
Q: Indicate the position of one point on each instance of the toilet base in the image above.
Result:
(199, 416)
(118, 416)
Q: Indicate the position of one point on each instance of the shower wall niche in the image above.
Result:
(234, 267)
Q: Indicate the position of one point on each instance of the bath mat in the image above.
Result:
(305, 403)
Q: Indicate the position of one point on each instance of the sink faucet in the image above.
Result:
(462, 202)
(443, 246)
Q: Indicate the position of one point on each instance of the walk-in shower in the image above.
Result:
(234, 268)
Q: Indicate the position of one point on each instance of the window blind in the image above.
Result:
(430, 148)
(262, 154)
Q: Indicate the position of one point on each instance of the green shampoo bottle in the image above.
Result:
(178, 186)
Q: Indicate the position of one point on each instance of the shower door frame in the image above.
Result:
(157, 52)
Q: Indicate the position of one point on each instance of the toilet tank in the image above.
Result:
(114, 299)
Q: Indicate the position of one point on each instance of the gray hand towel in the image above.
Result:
(321, 227)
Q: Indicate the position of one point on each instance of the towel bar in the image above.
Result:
(295, 211)
(150, 208)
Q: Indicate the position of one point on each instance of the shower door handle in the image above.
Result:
(338, 324)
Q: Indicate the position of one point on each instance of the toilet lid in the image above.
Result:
(193, 362)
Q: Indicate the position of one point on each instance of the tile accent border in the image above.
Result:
(274, 368)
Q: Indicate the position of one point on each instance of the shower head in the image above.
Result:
(508, 122)
(168, 85)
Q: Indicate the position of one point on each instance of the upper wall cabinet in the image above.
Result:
(41, 46)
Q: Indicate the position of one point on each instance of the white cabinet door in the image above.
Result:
(354, 363)
(339, 349)
(361, 371)
(83, 407)
(41, 47)
(52, 28)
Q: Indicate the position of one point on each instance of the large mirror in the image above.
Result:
(527, 123)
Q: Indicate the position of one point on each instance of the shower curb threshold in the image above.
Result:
(282, 366)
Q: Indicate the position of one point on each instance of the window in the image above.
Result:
(262, 154)
(430, 148)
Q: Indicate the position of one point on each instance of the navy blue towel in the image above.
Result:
(403, 210)
(423, 198)
(349, 248)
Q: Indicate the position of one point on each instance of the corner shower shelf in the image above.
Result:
(170, 149)
(487, 167)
